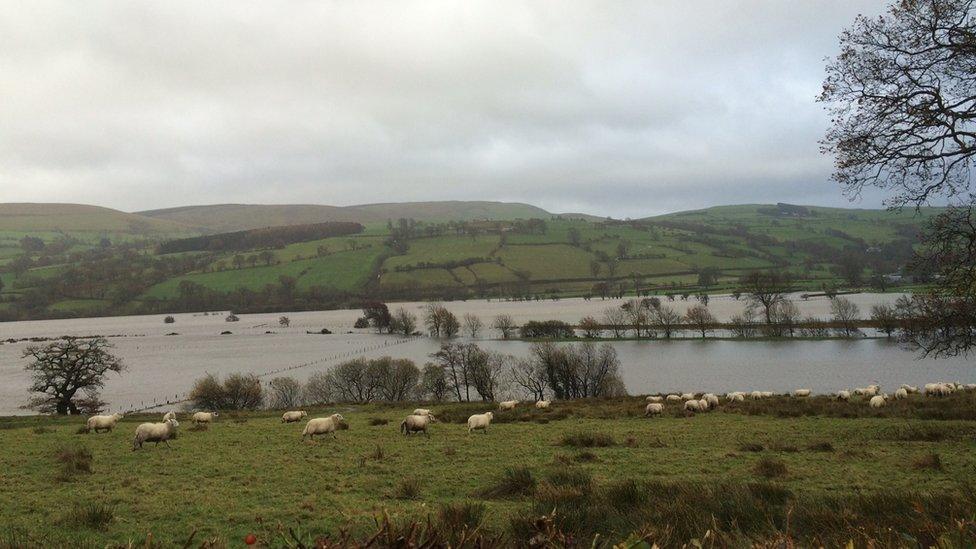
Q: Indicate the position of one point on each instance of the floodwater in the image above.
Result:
(163, 367)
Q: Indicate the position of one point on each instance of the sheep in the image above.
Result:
(417, 423)
(860, 391)
(480, 421)
(655, 398)
(103, 423)
(692, 406)
(872, 390)
(543, 404)
(901, 393)
(155, 432)
(801, 393)
(844, 395)
(732, 397)
(738, 397)
(507, 405)
(756, 395)
(712, 400)
(169, 415)
(767, 394)
(322, 426)
(204, 417)
(687, 396)
(653, 409)
(969, 387)
(673, 398)
(877, 401)
(703, 404)
(293, 416)
(422, 412)
(911, 389)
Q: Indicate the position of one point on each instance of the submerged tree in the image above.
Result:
(65, 370)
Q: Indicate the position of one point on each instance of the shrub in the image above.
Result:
(460, 515)
(769, 467)
(515, 482)
(374, 421)
(588, 440)
(361, 323)
(751, 447)
(587, 457)
(821, 447)
(378, 453)
(169, 320)
(548, 329)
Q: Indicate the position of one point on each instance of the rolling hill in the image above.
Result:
(219, 218)
(36, 217)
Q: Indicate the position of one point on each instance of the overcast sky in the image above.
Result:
(612, 108)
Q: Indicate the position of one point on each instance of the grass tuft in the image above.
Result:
(588, 440)
(459, 516)
(514, 482)
(769, 467)
(199, 427)
(587, 457)
(95, 516)
(41, 430)
(408, 488)
(74, 460)
(823, 446)
(751, 447)
(374, 421)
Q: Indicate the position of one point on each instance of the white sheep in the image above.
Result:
(673, 398)
(653, 409)
(543, 404)
(901, 393)
(103, 423)
(416, 423)
(877, 401)
(480, 421)
(767, 394)
(911, 389)
(711, 399)
(844, 395)
(704, 405)
(687, 396)
(655, 398)
(738, 397)
(169, 415)
(872, 390)
(293, 416)
(422, 412)
(801, 393)
(692, 406)
(204, 417)
(155, 432)
(322, 426)
(507, 405)
(756, 395)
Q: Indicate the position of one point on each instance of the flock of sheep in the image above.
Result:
(421, 418)
(708, 401)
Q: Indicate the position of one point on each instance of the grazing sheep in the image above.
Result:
(653, 409)
(877, 401)
(293, 416)
(969, 387)
(422, 412)
(655, 398)
(738, 397)
(703, 404)
(169, 415)
(911, 389)
(767, 394)
(103, 423)
(801, 393)
(543, 404)
(687, 396)
(155, 432)
(507, 405)
(872, 390)
(673, 398)
(480, 421)
(756, 395)
(204, 417)
(844, 395)
(417, 424)
(731, 397)
(860, 391)
(901, 393)
(692, 406)
(322, 426)
(711, 399)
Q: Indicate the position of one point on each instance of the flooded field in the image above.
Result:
(163, 367)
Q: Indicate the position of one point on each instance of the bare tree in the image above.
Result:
(487, 372)
(701, 318)
(845, 313)
(319, 388)
(637, 315)
(766, 289)
(285, 392)
(786, 315)
(63, 369)
(472, 324)
(395, 378)
(403, 322)
(616, 319)
(242, 392)
(591, 328)
(434, 382)
(504, 324)
(284, 322)
(744, 324)
(885, 318)
(667, 319)
(531, 376)
(353, 381)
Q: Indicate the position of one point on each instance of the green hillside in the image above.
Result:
(29, 218)
(524, 256)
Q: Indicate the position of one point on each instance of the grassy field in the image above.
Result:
(834, 472)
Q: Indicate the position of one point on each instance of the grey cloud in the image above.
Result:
(623, 108)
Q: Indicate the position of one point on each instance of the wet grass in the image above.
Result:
(677, 476)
